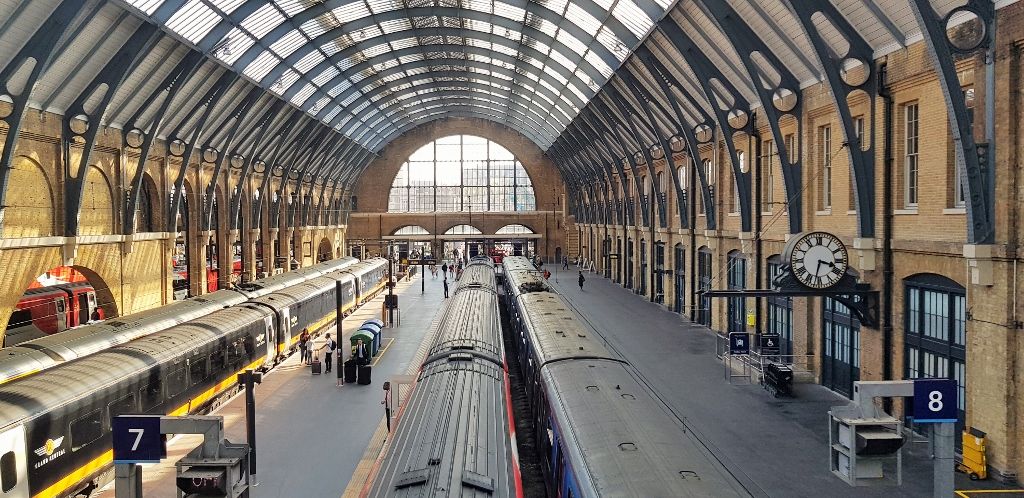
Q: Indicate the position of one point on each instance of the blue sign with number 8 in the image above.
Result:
(935, 401)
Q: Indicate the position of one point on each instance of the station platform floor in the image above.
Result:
(777, 446)
(311, 435)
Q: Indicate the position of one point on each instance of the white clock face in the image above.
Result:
(819, 260)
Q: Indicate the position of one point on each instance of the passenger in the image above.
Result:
(330, 346)
(444, 269)
(446, 287)
(361, 354)
(565, 262)
(582, 280)
(95, 315)
(304, 347)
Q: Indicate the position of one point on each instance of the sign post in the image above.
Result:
(935, 402)
(136, 439)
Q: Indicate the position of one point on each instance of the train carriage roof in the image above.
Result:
(556, 332)
(623, 441)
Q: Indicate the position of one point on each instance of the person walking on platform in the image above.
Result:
(304, 347)
(582, 280)
(565, 262)
(446, 287)
(444, 270)
(330, 346)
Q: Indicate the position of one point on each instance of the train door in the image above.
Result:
(82, 308)
(92, 304)
(13, 464)
(268, 322)
(286, 327)
(61, 314)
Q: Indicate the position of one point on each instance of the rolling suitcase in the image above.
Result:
(317, 366)
(364, 375)
(350, 371)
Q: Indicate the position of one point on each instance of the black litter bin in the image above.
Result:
(778, 379)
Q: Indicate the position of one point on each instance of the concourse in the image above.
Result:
(591, 248)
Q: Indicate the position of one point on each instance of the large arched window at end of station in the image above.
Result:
(513, 228)
(463, 230)
(411, 230)
(461, 173)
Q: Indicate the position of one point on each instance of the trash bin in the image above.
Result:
(375, 330)
(367, 338)
(376, 321)
(974, 463)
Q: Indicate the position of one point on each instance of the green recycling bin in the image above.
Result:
(367, 338)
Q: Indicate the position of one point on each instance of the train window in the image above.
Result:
(8, 472)
(176, 382)
(19, 318)
(235, 352)
(197, 370)
(152, 395)
(217, 361)
(124, 405)
(86, 429)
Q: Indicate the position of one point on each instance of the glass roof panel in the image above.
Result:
(355, 57)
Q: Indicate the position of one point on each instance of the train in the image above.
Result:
(52, 309)
(599, 430)
(55, 436)
(456, 434)
(35, 355)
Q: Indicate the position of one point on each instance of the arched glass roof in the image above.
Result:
(370, 68)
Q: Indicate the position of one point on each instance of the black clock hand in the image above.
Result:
(818, 269)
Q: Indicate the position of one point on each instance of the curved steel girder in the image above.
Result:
(386, 39)
(978, 172)
(236, 118)
(104, 85)
(665, 82)
(167, 90)
(862, 159)
(600, 137)
(641, 94)
(489, 114)
(484, 83)
(705, 70)
(263, 129)
(417, 116)
(430, 101)
(745, 42)
(604, 107)
(458, 12)
(556, 99)
(382, 140)
(623, 34)
(368, 65)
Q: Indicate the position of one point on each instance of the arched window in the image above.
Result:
(704, 266)
(935, 327)
(411, 230)
(780, 312)
(461, 173)
(514, 228)
(737, 280)
(463, 230)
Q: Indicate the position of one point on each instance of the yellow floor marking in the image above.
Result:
(965, 493)
(380, 354)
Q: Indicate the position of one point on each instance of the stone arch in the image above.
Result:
(455, 224)
(514, 226)
(424, 230)
(325, 250)
(96, 216)
(104, 297)
(374, 187)
(148, 213)
(30, 211)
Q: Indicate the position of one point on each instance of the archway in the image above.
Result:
(324, 251)
(181, 277)
(30, 206)
(462, 242)
(515, 240)
(147, 212)
(60, 299)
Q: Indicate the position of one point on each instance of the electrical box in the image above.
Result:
(865, 451)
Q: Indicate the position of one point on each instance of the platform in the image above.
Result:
(777, 447)
(311, 434)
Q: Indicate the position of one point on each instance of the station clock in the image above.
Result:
(817, 259)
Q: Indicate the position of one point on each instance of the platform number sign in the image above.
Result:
(935, 401)
(137, 439)
(739, 343)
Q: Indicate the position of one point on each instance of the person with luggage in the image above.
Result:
(361, 354)
(582, 280)
(304, 347)
(314, 359)
(341, 369)
(330, 346)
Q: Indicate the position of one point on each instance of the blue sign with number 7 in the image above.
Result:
(137, 439)
(935, 401)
